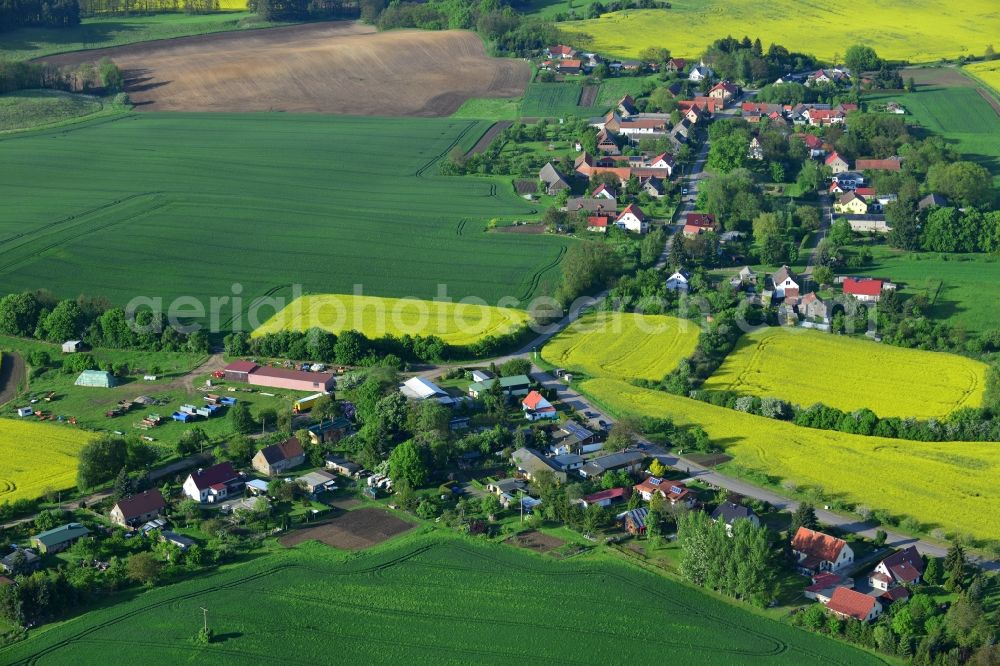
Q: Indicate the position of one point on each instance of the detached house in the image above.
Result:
(536, 408)
(605, 191)
(700, 72)
(785, 283)
(851, 203)
(277, 458)
(730, 512)
(724, 91)
(530, 463)
(138, 509)
(847, 603)
(904, 567)
(630, 461)
(698, 223)
(813, 307)
(836, 163)
(817, 551)
(679, 281)
(213, 483)
(632, 219)
(866, 290)
(674, 492)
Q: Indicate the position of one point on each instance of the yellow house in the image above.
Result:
(850, 203)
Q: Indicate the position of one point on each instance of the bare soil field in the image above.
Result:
(588, 97)
(536, 541)
(486, 139)
(939, 77)
(342, 67)
(354, 530)
(12, 373)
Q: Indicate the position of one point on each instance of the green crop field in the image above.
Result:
(917, 32)
(174, 204)
(99, 33)
(806, 367)
(962, 476)
(963, 288)
(437, 598)
(547, 100)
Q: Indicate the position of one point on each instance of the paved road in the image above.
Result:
(825, 222)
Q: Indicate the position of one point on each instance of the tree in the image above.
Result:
(515, 366)
(804, 516)
(239, 449)
(100, 461)
(728, 153)
(860, 58)
(144, 568)
(840, 233)
(192, 441)
(65, 322)
(407, 465)
(622, 435)
(189, 508)
(823, 275)
(904, 227)
(240, 419)
(490, 505)
(966, 183)
(350, 348)
(19, 314)
(587, 265)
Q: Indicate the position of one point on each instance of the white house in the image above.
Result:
(536, 407)
(847, 603)
(904, 567)
(785, 285)
(679, 281)
(632, 219)
(700, 72)
(213, 483)
(663, 161)
(817, 551)
(603, 191)
(72, 346)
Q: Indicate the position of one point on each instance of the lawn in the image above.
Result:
(38, 108)
(918, 32)
(455, 323)
(951, 485)
(805, 367)
(255, 205)
(421, 599)
(962, 287)
(623, 345)
(99, 33)
(37, 457)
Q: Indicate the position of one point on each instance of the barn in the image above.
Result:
(295, 380)
(239, 371)
(98, 378)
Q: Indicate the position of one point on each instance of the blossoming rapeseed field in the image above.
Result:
(35, 457)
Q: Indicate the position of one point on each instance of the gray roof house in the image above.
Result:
(530, 462)
(554, 181)
(730, 512)
(932, 199)
(627, 460)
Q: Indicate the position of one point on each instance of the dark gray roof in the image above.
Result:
(599, 466)
(932, 199)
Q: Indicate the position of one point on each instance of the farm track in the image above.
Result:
(12, 373)
(536, 277)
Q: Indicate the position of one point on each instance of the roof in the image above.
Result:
(865, 191)
(822, 546)
(853, 604)
(507, 485)
(730, 512)
(550, 175)
(567, 460)
(531, 460)
(634, 210)
(895, 594)
(317, 478)
(597, 221)
(61, 534)
(221, 473)
(833, 157)
(727, 86)
(609, 494)
(862, 286)
(534, 400)
(604, 187)
(299, 375)
(570, 63)
(700, 219)
(847, 198)
(240, 366)
(286, 450)
(151, 500)
(576, 430)
(420, 388)
(782, 274)
(257, 484)
(890, 164)
(932, 199)
(505, 382)
(340, 461)
(600, 465)
(822, 581)
(905, 565)
(637, 517)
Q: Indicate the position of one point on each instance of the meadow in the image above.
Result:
(455, 323)
(428, 598)
(98, 33)
(36, 108)
(917, 32)
(805, 367)
(623, 345)
(951, 485)
(247, 205)
(37, 457)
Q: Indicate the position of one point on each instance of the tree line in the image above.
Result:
(103, 77)
(39, 13)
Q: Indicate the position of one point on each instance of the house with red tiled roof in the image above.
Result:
(889, 164)
(662, 161)
(277, 458)
(813, 143)
(599, 223)
(605, 191)
(847, 603)
(866, 290)
(561, 51)
(569, 66)
(674, 492)
(724, 92)
(675, 65)
(824, 117)
(836, 163)
(824, 584)
(817, 551)
(698, 223)
(904, 567)
(632, 219)
(605, 498)
(535, 407)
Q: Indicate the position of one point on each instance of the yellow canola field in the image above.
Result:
(623, 345)
(455, 323)
(919, 31)
(35, 457)
(987, 72)
(948, 484)
(233, 5)
(806, 367)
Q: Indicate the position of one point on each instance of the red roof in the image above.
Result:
(851, 603)
(137, 505)
(635, 210)
(811, 140)
(817, 544)
(862, 287)
(891, 164)
(727, 86)
(598, 221)
(561, 49)
(571, 63)
(895, 594)
(865, 191)
(603, 187)
(705, 220)
(532, 400)
(824, 580)
(611, 493)
(240, 366)
(300, 375)
(832, 157)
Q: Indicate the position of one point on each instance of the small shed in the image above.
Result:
(98, 378)
(72, 346)
(25, 411)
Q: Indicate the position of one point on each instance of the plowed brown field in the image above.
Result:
(342, 67)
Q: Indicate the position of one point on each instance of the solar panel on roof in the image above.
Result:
(653, 481)
(677, 490)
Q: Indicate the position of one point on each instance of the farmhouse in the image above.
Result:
(513, 385)
(277, 458)
(889, 164)
(530, 462)
(554, 181)
(342, 466)
(851, 203)
(561, 51)
(866, 290)
(632, 219)
(59, 538)
(96, 378)
(730, 512)
(138, 509)
(675, 65)
(294, 380)
(836, 163)
(213, 483)
(607, 143)
(318, 481)
(904, 567)
(785, 283)
(535, 407)
(630, 461)
(674, 492)
(679, 281)
(847, 603)
(817, 551)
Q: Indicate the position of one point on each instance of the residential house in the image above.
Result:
(568, 462)
(745, 278)
(561, 51)
(635, 521)
(530, 462)
(813, 143)
(571, 437)
(605, 191)
(849, 180)
(213, 483)
(605, 498)
(182, 542)
(724, 91)
(662, 161)
(630, 461)
(632, 219)
(318, 482)
(824, 584)
(277, 458)
(822, 76)
(570, 66)
(730, 512)
(59, 538)
(599, 223)
(700, 72)
(756, 150)
(332, 430)
(679, 281)
(851, 203)
(72, 346)
(138, 509)
(343, 466)
(904, 567)
(536, 408)
(554, 181)
(508, 487)
(932, 201)
(847, 603)
(681, 131)
(480, 375)
(866, 290)
(597, 207)
(626, 107)
(675, 65)
(817, 551)
(653, 187)
(21, 561)
(698, 223)
(814, 308)
(513, 385)
(607, 143)
(786, 284)
(836, 163)
(824, 117)
(890, 164)
(673, 492)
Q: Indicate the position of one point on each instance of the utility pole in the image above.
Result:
(520, 500)
(204, 612)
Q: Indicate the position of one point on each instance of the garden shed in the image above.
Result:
(98, 378)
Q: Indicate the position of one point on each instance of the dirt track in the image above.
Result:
(341, 67)
(12, 373)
